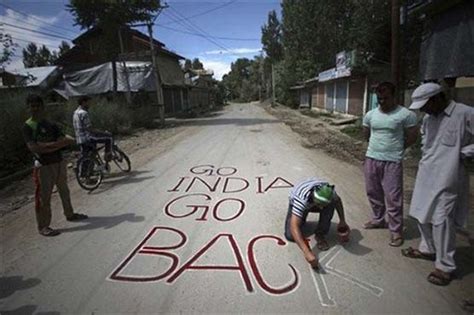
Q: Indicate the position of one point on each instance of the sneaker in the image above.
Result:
(77, 217)
(47, 231)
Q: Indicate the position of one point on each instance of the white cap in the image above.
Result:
(422, 94)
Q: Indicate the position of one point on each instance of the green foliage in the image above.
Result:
(105, 13)
(244, 79)
(8, 48)
(271, 37)
(197, 64)
(34, 57)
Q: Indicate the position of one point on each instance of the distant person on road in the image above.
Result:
(390, 129)
(86, 136)
(45, 140)
(313, 195)
(441, 195)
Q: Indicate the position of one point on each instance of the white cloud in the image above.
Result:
(23, 37)
(219, 67)
(236, 51)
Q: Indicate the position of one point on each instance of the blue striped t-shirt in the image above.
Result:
(300, 196)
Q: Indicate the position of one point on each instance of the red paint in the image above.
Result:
(233, 171)
(242, 180)
(259, 184)
(256, 271)
(289, 185)
(209, 187)
(216, 209)
(203, 172)
(209, 170)
(189, 265)
(179, 183)
(151, 250)
(169, 211)
(194, 208)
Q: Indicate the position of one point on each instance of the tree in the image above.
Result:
(188, 65)
(63, 48)
(197, 64)
(8, 48)
(271, 38)
(30, 55)
(34, 57)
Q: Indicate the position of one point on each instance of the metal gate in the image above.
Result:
(341, 96)
(329, 105)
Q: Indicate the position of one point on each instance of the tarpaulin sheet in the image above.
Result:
(447, 51)
(99, 79)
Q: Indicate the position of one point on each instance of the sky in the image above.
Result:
(215, 31)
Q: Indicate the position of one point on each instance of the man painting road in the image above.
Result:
(313, 195)
(440, 197)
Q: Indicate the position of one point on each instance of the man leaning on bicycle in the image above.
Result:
(86, 136)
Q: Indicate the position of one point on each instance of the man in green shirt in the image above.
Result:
(45, 140)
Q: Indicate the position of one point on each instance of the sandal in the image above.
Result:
(439, 277)
(321, 243)
(411, 252)
(49, 232)
(77, 217)
(371, 226)
(396, 241)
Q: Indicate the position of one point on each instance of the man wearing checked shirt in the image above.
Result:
(313, 195)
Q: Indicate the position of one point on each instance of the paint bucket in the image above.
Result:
(343, 234)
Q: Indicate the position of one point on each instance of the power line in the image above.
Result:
(37, 43)
(200, 35)
(202, 13)
(38, 19)
(36, 31)
(34, 25)
(194, 27)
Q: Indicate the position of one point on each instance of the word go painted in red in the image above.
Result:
(173, 272)
(174, 208)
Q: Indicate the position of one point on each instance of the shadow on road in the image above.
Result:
(105, 223)
(27, 310)
(353, 246)
(9, 285)
(227, 121)
(465, 261)
(115, 179)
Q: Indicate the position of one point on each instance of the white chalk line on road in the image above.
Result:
(320, 283)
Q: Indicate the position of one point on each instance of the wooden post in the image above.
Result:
(128, 94)
(159, 90)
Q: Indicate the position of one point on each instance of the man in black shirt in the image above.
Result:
(45, 140)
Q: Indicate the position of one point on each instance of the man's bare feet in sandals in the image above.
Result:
(414, 253)
(371, 225)
(321, 242)
(439, 277)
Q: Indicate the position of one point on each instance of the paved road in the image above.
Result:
(199, 227)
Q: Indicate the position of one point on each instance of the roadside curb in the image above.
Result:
(15, 176)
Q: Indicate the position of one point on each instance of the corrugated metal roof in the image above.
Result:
(35, 76)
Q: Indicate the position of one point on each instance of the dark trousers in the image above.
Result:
(324, 222)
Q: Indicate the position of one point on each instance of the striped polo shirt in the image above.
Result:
(300, 196)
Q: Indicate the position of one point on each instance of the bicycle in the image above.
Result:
(90, 167)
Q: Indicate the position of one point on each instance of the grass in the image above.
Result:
(354, 131)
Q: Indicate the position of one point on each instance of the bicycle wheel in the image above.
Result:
(121, 160)
(89, 173)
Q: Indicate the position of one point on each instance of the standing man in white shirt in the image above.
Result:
(441, 195)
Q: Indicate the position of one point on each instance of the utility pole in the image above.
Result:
(128, 94)
(273, 84)
(395, 56)
(159, 90)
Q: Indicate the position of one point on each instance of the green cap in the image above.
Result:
(324, 193)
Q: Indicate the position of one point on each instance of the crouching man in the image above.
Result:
(313, 195)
